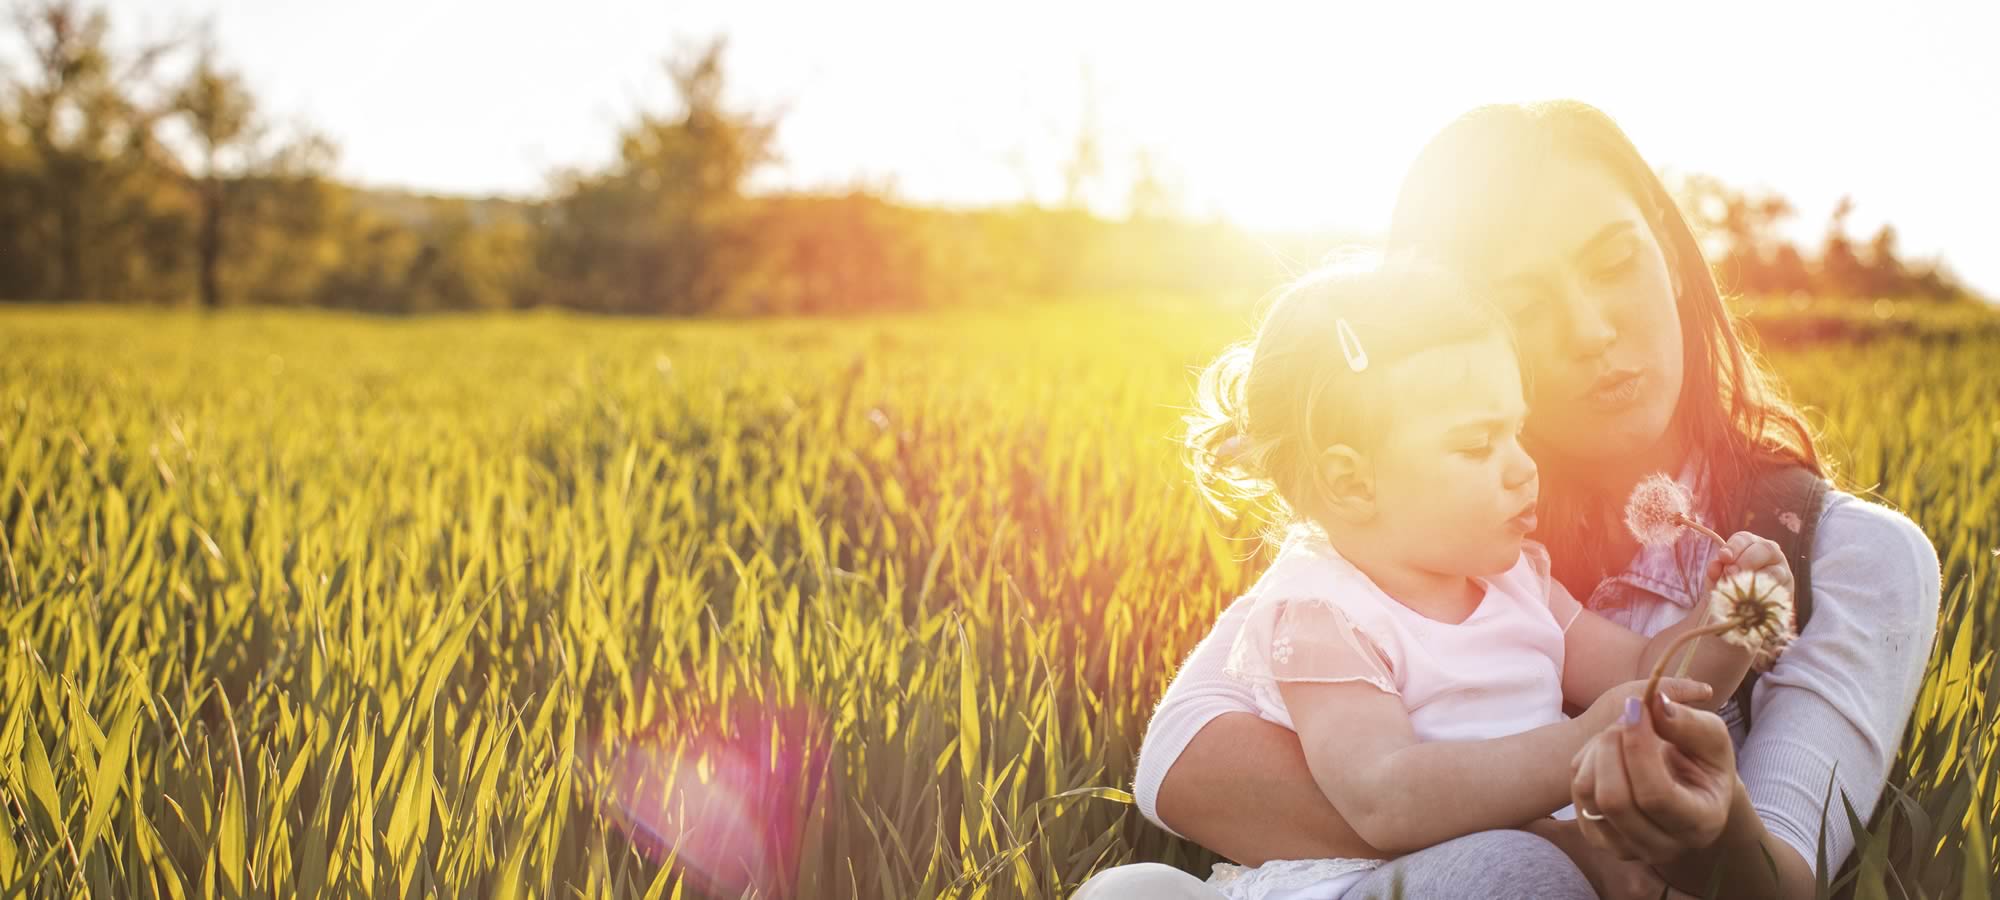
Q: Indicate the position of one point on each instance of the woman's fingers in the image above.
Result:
(1702, 736)
(1583, 793)
(1685, 690)
(1698, 763)
(1633, 745)
(1649, 775)
(1576, 763)
(1583, 779)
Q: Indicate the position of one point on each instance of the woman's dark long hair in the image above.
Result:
(1731, 410)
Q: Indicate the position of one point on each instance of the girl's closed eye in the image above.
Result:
(1482, 444)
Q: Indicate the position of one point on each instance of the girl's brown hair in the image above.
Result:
(1731, 410)
(1267, 407)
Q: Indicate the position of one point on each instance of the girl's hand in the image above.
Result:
(1657, 784)
(1746, 552)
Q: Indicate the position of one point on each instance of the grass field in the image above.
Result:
(301, 604)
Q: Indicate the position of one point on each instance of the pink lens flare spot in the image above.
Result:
(726, 800)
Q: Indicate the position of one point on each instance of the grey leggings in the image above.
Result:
(1491, 865)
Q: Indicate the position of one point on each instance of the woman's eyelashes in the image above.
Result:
(1619, 264)
(1528, 312)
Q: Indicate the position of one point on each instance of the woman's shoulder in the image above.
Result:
(1848, 523)
(1865, 552)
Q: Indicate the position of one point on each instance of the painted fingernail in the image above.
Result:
(1667, 706)
(1631, 716)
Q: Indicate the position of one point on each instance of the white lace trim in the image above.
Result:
(1259, 882)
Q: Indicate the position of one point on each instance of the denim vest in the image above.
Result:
(1662, 585)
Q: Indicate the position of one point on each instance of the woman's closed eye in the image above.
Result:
(1617, 264)
(1527, 309)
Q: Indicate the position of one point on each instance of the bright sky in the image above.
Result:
(1272, 115)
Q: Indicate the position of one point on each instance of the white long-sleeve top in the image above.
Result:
(1832, 710)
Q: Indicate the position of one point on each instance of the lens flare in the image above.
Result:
(725, 800)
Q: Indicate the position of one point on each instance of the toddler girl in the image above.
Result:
(1407, 630)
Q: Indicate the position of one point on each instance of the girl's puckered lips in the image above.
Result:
(1523, 521)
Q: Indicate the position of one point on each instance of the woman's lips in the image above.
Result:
(1615, 388)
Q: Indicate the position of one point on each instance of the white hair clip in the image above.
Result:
(1350, 346)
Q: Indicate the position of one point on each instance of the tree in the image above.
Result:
(1152, 197)
(90, 164)
(1086, 159)
(1788, 273)
(1740, 232)
(663, 230)
(465, 264)
(1841, 270)
(1886, 275)
(221, 115)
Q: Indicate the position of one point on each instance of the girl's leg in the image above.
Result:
(1500, 865)
(1143, 881)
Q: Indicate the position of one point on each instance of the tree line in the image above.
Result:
(153, 173)
(1751, 254)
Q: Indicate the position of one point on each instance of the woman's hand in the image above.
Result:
(1613, 878)
(1658, 784)
(1605, 710)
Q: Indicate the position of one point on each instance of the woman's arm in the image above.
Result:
(1664, 790)
(1832, 710)
(1830, 713)
(1402, 794)
(1212, 771)
(1241, 788)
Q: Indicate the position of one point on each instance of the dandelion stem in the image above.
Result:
(1687, 659)
(1689, 522)
(1660, 666)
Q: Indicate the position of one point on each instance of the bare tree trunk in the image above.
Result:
(69, 248)
(210, 246)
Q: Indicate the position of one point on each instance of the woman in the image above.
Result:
(1631, 355)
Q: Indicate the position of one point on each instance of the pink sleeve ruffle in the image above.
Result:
(1307, 639)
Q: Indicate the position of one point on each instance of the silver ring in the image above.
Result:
(1594, 817)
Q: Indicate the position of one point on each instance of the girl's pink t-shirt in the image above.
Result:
(1316, 618)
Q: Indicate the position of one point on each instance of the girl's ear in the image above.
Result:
(1347, 484)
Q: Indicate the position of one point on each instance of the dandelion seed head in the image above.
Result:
(1654, 510)
(1760, 608)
